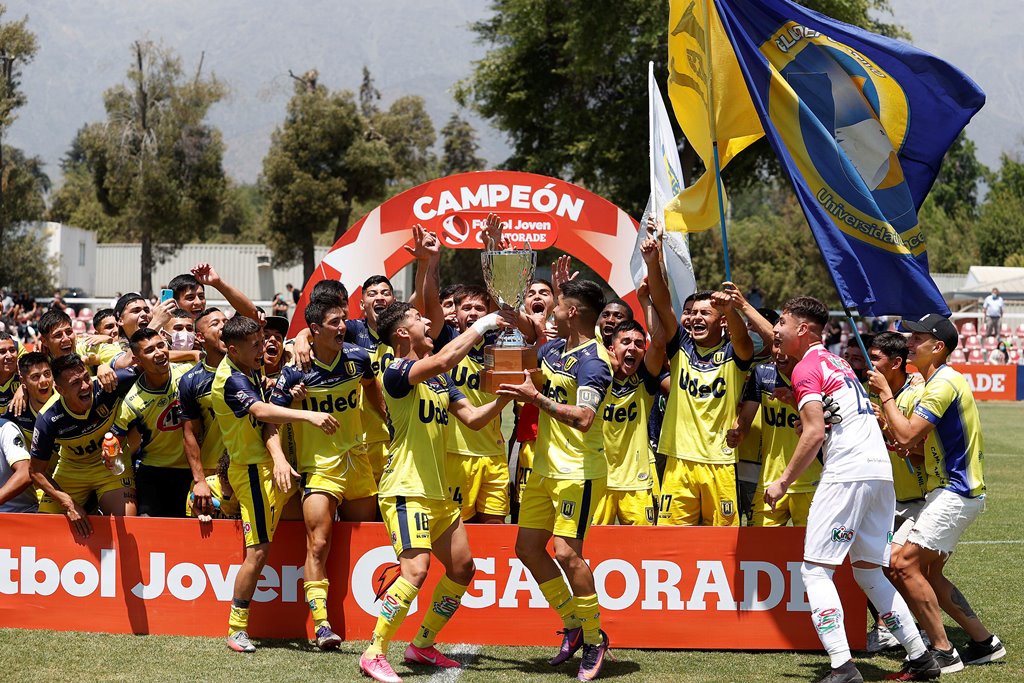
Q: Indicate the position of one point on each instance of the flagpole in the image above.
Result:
(714, 138)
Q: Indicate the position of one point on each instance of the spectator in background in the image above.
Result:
(295, 293)
(279, 307)
(993, 307)
(999, 355)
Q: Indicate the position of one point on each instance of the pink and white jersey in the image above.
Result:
(854, 449)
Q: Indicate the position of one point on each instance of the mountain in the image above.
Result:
(419, 47)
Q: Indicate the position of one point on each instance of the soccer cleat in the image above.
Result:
(985, 651)
(378, 669)
(880, 638)
(239, 642)
(326, 639)
(847, 673)
(924, 668)
(949, 662)
(593, 659)
(428, 655)
(572, 641)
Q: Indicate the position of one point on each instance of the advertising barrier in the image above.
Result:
(660, 587)
(994, 382)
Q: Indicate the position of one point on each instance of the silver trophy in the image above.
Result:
(508, 273)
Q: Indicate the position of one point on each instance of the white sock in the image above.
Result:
(892, 609)
(826, 612)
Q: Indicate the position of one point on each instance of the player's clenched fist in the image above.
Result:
(324, 421)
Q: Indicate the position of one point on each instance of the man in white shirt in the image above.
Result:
(993, 306)
(16, 492)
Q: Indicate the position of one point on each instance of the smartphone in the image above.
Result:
(166, 294)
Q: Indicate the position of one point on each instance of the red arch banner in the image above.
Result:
(543, 211)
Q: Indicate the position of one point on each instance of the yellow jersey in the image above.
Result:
(626, 445)
(466, 376)
(101, 354)
(562, 452)
(418, 413)
(707, 384)
(233, 393)
(910, 485)
(195, 392)
(778, 429)
(954, 451)
(79, 437)
(7, 391)
(359, 333)
(156, 415)
(228, 507)
(333, 387)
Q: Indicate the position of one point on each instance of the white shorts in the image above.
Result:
(944, 518)
(850, 518)
(907, 513)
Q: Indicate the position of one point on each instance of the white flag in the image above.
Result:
(666, 183)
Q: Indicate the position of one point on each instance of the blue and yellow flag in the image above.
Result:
(860, 124)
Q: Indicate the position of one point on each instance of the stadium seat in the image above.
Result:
(1020, 331)
(78, 326)
(1004, 331)
(957, 357)
(85, 313)
(990, 343)
(976, 357)
(1014, 356)
(972, 342)
(968, 328)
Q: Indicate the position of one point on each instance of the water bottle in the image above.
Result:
(214, 501)
(111, 451)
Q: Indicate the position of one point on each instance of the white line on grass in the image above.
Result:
(990, 542)
(462, 652)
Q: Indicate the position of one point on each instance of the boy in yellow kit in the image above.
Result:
(418, 513)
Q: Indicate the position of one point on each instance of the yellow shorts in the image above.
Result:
(698, 494)
(377, 455)
(524, 466)
(478, 483)
(416, 522)
(793, 506)
(259, 501)
(79, 481)
(634, 508)
(655, 483)
(565, 507)
(351, 479)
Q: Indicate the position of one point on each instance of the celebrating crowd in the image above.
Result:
(725, 413)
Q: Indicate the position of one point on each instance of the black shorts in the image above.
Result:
(162, 491)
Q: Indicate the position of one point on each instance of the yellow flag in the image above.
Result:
(710, 99)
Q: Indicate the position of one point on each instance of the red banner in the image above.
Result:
(541, 211)
(991, 382)
(665, 587)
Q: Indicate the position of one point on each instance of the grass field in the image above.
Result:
(986, 568)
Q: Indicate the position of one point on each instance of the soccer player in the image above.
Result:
(418, 514)
(58, 339)
(334, 469)
(612, 315)
(9, 381)
(105, 322)
(946, 419)
(476, 466)
(707, 373)
(274, 330)
(189, 295)
(854, 504)
(153, 409)
(570, 468)
(77, 423)
(447, 296)
(769, 391)
(37, 380)
(226, 505)
(259, 473)
(201, 433)
(539, 303)
(16, 492)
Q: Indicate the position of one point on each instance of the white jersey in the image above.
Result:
(12, 450)
(855, 448)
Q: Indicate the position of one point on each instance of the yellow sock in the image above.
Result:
(556, 592)
(394, 606)
(238, 617)
(446, 599)
(589, 614)
(316, 598)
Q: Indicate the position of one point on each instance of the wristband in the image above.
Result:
(891, 398)
(486, 324)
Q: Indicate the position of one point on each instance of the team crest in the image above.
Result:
(651, 514)
(350, 367)
(727, 508)
(718, 358)
(569, 363)
(568, 507)
(102, 411)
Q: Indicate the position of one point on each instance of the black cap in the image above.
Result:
(123, 302)
(277, 323)
(936, 325)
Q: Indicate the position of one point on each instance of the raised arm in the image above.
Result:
(654, 359)
(650, 250)
(242, 304)
(426, 249)
(758, 323)
(738, 333)
(455, 350)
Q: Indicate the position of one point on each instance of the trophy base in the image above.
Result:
(505, 365)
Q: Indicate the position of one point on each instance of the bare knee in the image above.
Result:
(462, 572)
(567, 557)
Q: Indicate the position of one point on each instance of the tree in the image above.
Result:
(566, 80)
(460, 147)
(155, 164)
(1000, 226)
(956, 187)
